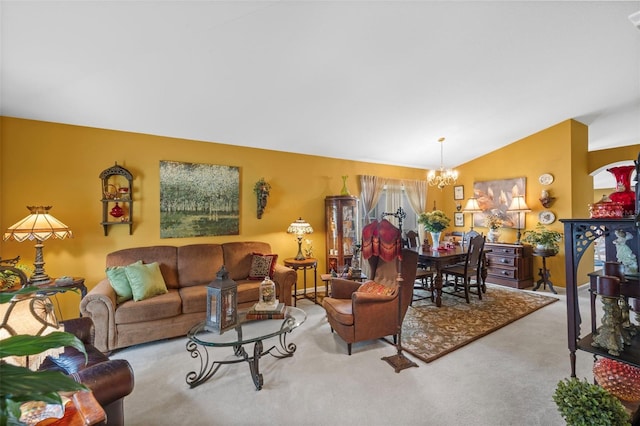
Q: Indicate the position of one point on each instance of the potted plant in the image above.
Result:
(434, 222)
(20, 384)
(543, 239)
(582, 403)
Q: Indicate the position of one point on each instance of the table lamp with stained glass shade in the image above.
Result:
(39, 225)
(299, 228)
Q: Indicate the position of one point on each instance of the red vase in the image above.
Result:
(624, 195)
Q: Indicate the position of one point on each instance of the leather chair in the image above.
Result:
(468, 272)
(110, 380)
(357, 316)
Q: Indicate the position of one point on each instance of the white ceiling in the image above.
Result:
(367, 80)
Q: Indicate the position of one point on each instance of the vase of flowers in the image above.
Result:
(434, 222)
(494, 223)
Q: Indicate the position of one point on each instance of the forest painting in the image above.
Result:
(198, 200)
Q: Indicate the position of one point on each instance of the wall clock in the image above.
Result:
(546, 179)
(546, 217)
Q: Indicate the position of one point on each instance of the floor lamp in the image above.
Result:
(398, 361)
(39, 226)
(519, 206)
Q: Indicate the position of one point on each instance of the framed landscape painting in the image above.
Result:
(494, 197)
(198, 200)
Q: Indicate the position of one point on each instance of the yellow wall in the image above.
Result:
(54, 164)
(58, 165)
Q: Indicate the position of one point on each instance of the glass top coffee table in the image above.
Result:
(246, 332)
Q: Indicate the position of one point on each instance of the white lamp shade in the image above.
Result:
(518, 204)
(300, 227)
(472, 206)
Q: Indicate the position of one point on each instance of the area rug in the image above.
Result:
(429, 332)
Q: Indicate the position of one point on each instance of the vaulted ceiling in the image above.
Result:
(376, 81)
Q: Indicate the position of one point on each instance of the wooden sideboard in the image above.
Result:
(510, 265)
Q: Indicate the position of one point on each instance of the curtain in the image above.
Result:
(417, 195)
(370, 194)
(394, 199)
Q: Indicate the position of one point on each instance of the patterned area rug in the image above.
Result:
(429, 332)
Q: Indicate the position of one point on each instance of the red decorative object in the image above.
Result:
(116, 211)
(605, 209)
(624, 195)
(620, 379)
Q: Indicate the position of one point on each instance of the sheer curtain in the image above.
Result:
(371, 188)
(417, 195)
(393, 200)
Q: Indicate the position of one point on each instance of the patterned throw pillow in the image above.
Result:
(262, 265)
(375, 288)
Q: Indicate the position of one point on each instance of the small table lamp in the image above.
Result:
(519, 205)
(300, 227)
(472, 207)
(39, 226)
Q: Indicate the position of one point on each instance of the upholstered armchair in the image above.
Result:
(358, 312)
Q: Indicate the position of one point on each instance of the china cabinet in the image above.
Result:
(117, 198)
(343, 232)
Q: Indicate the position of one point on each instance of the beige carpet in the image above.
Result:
(429, 332)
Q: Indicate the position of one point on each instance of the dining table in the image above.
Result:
(438, 259)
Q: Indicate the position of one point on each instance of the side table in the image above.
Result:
(326, 278)
(544, 273)
(310, 263)
(52, 287)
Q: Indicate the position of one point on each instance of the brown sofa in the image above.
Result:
(186, 271)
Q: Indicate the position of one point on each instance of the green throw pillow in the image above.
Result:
(146, 280)
(120, 283)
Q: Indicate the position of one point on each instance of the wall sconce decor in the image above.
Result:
(261, 189)
(222, 303)
(546, 199)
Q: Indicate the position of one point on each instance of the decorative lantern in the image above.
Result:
(222, 303)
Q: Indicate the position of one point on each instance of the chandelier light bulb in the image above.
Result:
(442, 177)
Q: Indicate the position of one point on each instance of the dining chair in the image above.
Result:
(467, 273)
(424, 273)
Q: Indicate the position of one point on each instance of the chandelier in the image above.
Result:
(442, 177)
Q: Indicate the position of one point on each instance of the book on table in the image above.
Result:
(258, 313)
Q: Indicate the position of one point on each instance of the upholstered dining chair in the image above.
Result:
(424, 273)
(467, 274)
(366, 311)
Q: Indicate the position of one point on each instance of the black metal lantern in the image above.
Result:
(222, 303)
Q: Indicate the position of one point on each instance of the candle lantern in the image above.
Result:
(222, 303)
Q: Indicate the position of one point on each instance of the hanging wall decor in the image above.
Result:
(494, 197)
(198, 200)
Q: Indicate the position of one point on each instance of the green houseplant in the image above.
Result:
(20, 384)
(582, 403)
(543, 238)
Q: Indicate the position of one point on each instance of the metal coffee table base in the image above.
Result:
(209, 367)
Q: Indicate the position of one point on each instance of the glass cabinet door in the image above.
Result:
(342, 221)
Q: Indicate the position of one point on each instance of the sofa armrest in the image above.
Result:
(285, 279)
(100, 305)
(109, 380)
(82, 328)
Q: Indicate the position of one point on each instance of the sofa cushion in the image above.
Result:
(194, 299)
(166, 256)
(248, 291)
(262, 265)
(238, 255)
(146, 280)
(199, 263)
(120, 283)
(164, 306)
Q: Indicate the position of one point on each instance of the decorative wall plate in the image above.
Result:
(546, 179)
(546, 217)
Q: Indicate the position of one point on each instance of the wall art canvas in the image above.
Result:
(198, 200)
(494, 197)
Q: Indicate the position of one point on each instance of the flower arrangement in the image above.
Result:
(493, 221)
(434, 221)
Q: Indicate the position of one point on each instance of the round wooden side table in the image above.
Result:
(304, 264)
